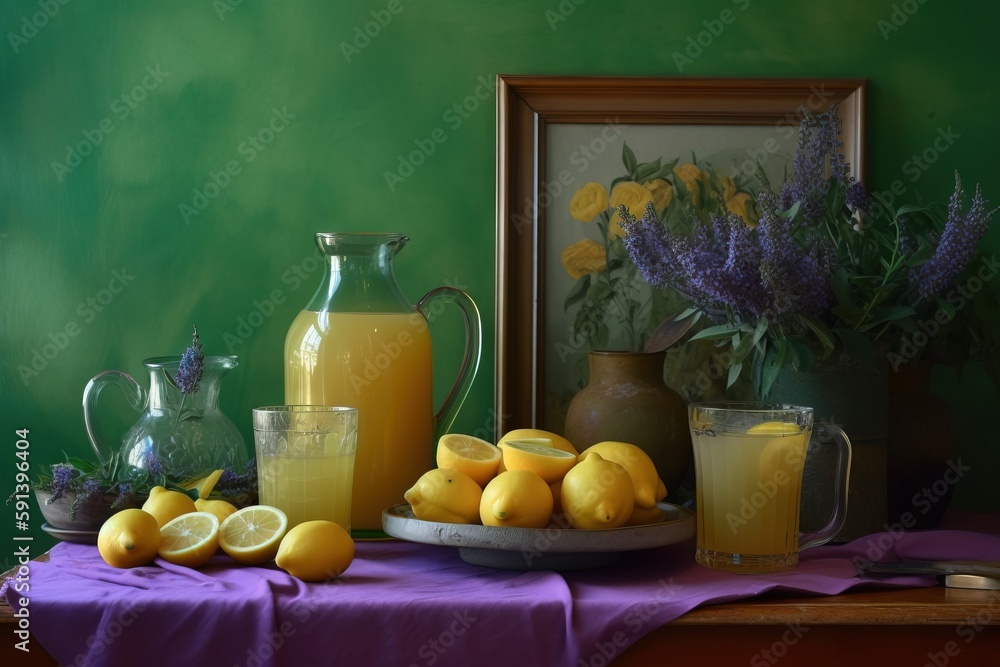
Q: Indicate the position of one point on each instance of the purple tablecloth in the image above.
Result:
(409, 604)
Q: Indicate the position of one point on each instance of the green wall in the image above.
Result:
(202, 78)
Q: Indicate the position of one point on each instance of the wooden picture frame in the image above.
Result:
(529, 106)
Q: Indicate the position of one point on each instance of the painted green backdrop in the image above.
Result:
(163, 164)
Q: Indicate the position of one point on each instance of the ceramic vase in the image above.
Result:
(626, 400)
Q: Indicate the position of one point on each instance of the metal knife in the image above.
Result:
(961, 567)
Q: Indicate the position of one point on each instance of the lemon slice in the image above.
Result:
(540, 436)
(787, 452)
(775, 428)
(476, 458)
(190, 540)
(251, 536)
(538, 456)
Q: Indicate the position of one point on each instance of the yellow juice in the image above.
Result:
(379, 363)
(307, 488)
(748, 496)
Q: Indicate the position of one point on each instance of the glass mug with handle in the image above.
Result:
(749, 458)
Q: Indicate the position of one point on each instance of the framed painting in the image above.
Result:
(569, 150)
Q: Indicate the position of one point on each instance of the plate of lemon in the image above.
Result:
(532, 502)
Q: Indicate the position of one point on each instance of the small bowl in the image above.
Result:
(89, 516)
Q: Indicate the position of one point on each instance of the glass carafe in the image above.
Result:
(185, 435)
(360, 343)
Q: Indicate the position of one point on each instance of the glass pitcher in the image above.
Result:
(360, 343)
(185, 435)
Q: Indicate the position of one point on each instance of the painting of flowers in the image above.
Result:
(599, 300)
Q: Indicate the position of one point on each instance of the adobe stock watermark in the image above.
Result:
(915, 168)
(30, 25)
(900, 14)
(100, 641)
(87, 311)
(263, 308)
(581, 157)
(787, 127)
(958, 297)
(385, 354)
(270, 644)
(635, 619)
(454, 117)
(121, 107)
(223, 7)
(967, 631)
(877, 546)
(779, 648)
(433, 649)
(563, 11)
(362, 35)
(714, 28)
(248, 149)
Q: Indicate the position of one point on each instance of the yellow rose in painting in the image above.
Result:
(691, 176)
(583, 258)
(743, 205)
(728, 187)
(663, 193)
(634, 197)
(588, 202)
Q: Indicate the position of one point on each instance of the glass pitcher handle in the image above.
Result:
(133, 391)
(824, 433)
(445, 417)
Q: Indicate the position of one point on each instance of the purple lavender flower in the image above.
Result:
(188, 376)
(63, 475)
(89, 491)
(857, 198)
(958, 242)
(154, 465)
(818, 148)
(126, 496)
(907, 243)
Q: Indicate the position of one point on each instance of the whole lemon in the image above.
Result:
(597, 493)
(129, 538)
(446, 495)
(517, 498)
(315, 551)
(220, 508)
(165, 506)
(640, 468)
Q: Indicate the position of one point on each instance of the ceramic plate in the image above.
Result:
(539, 549)
(79, 536)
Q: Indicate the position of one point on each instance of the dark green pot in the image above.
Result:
(843, 392)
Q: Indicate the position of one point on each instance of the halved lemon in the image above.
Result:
(190, 540)
(476, 458)
(555, 440)
(538, 456)
(251, 536)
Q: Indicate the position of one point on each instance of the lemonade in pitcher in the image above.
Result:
(360, 343)
(377, 363)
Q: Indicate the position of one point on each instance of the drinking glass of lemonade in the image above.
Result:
(305, 460)
(749, 458)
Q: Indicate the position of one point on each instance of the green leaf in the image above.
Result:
(822, 332)
(761, 329)
(946, 306)
(801, 356)
(734, 374)
(772, 366)
(646, 170)
(599, 290)
(882, 314)
(858, 346)
(578, 292)
(628, 159)
(715, 333)
(669, 332)
(846, 309)
(742, 348)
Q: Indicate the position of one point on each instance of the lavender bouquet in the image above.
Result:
(825, 268)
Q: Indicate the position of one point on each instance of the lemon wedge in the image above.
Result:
(190, 540)
(476, 458)
(537, 455)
